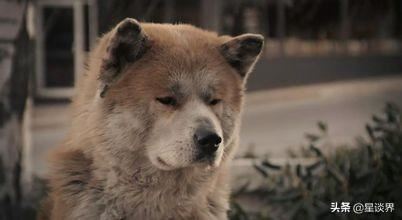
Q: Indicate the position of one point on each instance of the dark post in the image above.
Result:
(280, 24)
(169, 11)
(344, 22)
(210, 14)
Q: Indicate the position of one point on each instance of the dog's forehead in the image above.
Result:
(199, 82)
(184, 61)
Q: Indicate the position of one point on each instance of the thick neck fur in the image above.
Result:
(128, 190)
(142, 190)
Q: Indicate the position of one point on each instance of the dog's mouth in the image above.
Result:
(206, 159)
(163, 163)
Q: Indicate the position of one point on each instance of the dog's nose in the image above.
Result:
(207, 141)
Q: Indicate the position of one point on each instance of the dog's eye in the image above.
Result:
(214, 101)
(167, 100)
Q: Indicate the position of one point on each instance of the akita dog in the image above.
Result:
(156, 122)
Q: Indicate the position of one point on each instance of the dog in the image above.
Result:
(156, 123)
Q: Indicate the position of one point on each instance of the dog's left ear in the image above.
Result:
(127, 44)
(242, 52)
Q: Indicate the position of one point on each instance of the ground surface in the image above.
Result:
(278, 119)
(273, 121)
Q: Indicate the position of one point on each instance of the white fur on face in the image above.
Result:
(171, 143)
(123, 128)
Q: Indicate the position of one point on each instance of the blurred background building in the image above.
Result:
(307, 41)
(337, 61)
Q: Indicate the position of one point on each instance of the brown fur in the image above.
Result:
(102, 170)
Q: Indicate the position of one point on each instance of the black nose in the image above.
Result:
(207, 141)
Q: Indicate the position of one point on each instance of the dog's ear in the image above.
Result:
(127, 43)
(242, 52)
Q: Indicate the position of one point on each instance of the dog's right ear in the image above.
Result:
(127, 44)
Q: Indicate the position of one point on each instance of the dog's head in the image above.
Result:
(174, 91)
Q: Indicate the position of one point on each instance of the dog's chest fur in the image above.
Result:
(138, 196)
(144, 193)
